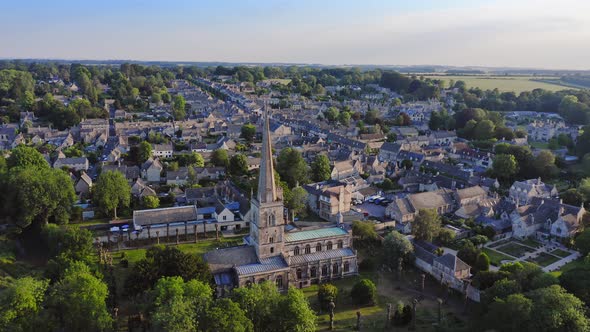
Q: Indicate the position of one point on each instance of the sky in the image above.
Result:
(494, 33)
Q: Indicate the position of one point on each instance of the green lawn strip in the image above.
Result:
(569, 266)
(514, 249)
(560, 253)
(496, 257)
(544, 259)
(529, 242)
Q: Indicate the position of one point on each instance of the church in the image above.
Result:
(276, 251)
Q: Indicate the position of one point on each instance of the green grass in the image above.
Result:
(496, 258)
(517, 84)
(560, 253)
(570, 266)
(283, 81)
(539, 145)
(529, 242)
(544, 259)
(514, 249)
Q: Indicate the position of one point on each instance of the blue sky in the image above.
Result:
(517, 33)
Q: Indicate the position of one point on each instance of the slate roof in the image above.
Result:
(268, 264)
(165, 215)
(224, 259)
(314, 234)
(452, 262)
(322, 255)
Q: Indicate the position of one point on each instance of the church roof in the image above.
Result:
(224, 259)
(265, 265)
(314, 234)
(321, 255)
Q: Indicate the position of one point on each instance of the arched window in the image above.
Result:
(335, 268)
(296, 251)
(346, 267)
(279, 282)
(318, 247)
(313, 272)
(329, 245)
(324, 270)
(340, 244)
(272, 250)
(271, 239)
(271, 220)
(299, 273)
(308, 249)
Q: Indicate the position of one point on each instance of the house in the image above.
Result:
(78, 164)
(522, 192)
(151, 170)
(141, 189)
(162, 150)
(470, 195)
(448, 268)
(131, 173)
(83, 184)
(404, 210)
(442, 137)
(332, 202)
(547, 216)
(344, 169)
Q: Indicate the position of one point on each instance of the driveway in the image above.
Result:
(374, 210)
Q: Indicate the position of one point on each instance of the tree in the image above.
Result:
(364, 230)
(484, 130)
(326, 294)
(260, 302)
(179, 305)
(396, 246)
(572, 197)
(501, 289)
(25, 156)
(292, 167)
(165, 262)
(504, 166)
(426, 225)
(227, 315)
(584, 188)
(320, 168)
(582, 242)
(111, 192)
(144, 152)
(482, 263)
(21, 301)
(344, 118)
(38, 196)
(577, 282)
(468, 253)
(178, 107)
(445, 236)
(220, 158)
(248, 132)
(364, 292)
(151, 202)
(297, 201)
(331, 114)
(517, 307)
(79, 300)
(294, 314)
(557, 310)
(545, 164)
(238, 165)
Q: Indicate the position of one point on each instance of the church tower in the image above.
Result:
(267, 226)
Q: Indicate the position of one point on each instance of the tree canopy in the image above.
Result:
(112, 191)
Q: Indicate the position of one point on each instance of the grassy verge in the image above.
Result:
(496, 258)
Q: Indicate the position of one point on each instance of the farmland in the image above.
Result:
(503, 83)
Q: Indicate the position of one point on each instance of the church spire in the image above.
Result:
(267, 191)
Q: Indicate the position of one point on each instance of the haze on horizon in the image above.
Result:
(496, 33)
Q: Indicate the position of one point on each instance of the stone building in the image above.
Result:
(271, 252)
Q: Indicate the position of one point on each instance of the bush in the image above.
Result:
(124, 263)
(402, 315)
(327, 293)
(367, 264)
(364, 292)
(483, 262)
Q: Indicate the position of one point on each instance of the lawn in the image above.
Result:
(539, 145)
(496, 258)
(517, 84)
(544, 259)
(514, 249)
(529, 242)
(570, 266)
(560, 253)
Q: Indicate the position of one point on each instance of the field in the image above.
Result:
(496, 258)
(517, 84)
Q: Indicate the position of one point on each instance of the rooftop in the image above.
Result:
(314, 234)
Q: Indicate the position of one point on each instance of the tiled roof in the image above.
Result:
(314, 234)
(321, 255)
(224, 259)
(268, 264)
(165, 215)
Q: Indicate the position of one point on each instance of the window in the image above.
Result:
(271, 220)
(340, 244)
(271, 239)
(299, 273)
(272, 250)
(296, 251)
(313, 272)
(279, 282)
(224, 217)
(346, 267)
(329, 245)
(335, 268)
(308, 249)
(324, 270)
(318, 247)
